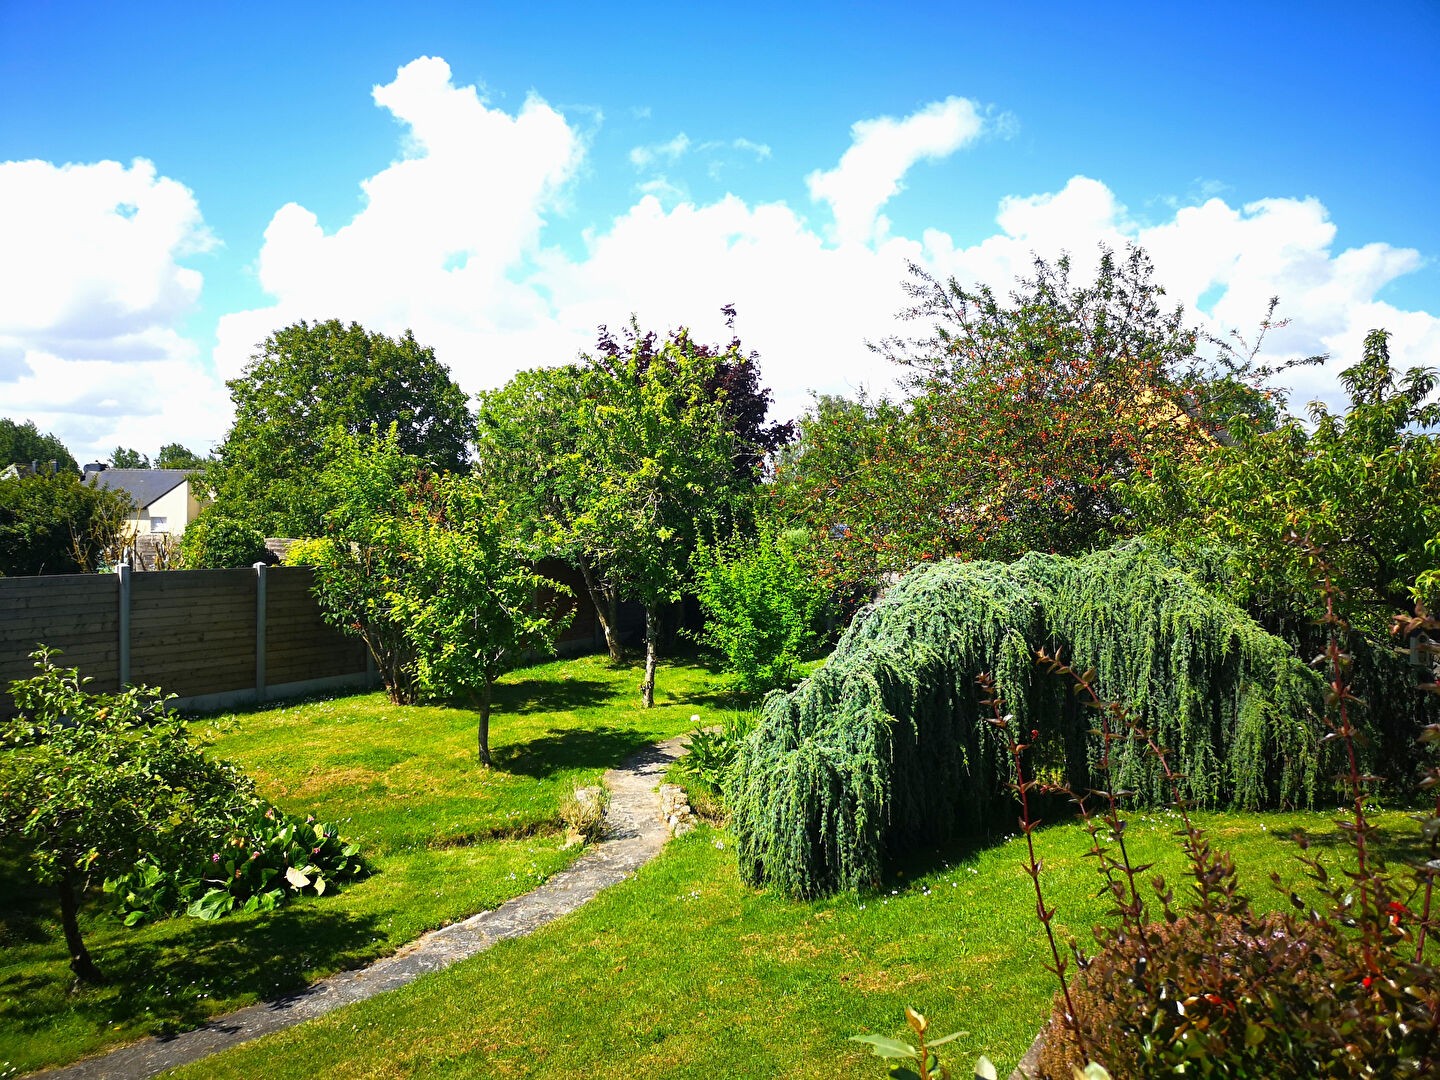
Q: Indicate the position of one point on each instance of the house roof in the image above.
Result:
(144, 486)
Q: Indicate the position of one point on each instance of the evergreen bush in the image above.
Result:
(887, 746)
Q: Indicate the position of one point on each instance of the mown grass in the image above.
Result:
(683, 972)
(446, 837)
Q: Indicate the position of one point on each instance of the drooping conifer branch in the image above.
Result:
(887, 747)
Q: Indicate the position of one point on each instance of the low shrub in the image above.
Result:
(763, 607)
(712, 752)
(262, 860)
(216, 542)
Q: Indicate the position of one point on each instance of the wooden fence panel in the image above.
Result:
(193, 632)
(299, 643)
(75, 613)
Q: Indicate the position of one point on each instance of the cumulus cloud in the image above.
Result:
(454, 240)
(808, 298)
(881, 152)
(440, 229)
(93, 289)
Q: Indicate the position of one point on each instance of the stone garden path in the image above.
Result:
(635, 835)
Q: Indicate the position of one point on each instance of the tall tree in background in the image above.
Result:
(122, 457)
(535, 432)
(655, 469)
(1024, 416)
(174, 456)
(308, 381)
(22, 444)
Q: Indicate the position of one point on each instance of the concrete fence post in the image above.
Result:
(260, 631)
(122, 664)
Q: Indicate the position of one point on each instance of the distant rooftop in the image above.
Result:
(144, 486)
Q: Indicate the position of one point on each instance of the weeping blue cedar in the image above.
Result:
(886, 747)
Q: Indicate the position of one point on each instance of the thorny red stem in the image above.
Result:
(1027, 826)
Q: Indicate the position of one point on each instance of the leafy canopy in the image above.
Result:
(305, 383)
(54, 524)
(429, 571)
(1363, 484)
(22, 444)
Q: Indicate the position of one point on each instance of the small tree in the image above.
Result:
(430, 573)
(654, 469)
(360, 560)
(91, 783)
(471, 602)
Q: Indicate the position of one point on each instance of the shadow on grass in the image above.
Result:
(551, 695)
(569, 748)
(163, 980)
(1397, 848)
(23, 916)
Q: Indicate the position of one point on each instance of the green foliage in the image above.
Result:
(1364, 484)
(306, 382)
(174, 456)
(430, 573)
(54, 524)
(214, 541)
(22, 444)
(762, 606)
(620, 463)
(927, 1062)
(93, 783)
(886, 748)
(654, 468)
(123, 457)
(261, 861)
(713, 752)
(1024, 414)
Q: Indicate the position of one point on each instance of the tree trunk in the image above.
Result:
(606, 610)
(652, 630)
(80, 962)
(484, 736)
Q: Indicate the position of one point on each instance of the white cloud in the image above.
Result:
(808, 300)
(440, 230)
(643, 157)
(881, 153)
(92, 292)
(451, 242)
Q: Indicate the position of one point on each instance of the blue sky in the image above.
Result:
(534, 170)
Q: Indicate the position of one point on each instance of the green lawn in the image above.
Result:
(447, 839)
(684, 972)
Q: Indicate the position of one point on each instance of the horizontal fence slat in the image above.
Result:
(192, 632)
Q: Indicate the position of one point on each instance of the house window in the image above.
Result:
(157, 524)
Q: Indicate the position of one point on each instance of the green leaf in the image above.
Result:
(296, 878)
(985, 1069)
(886, 1047)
